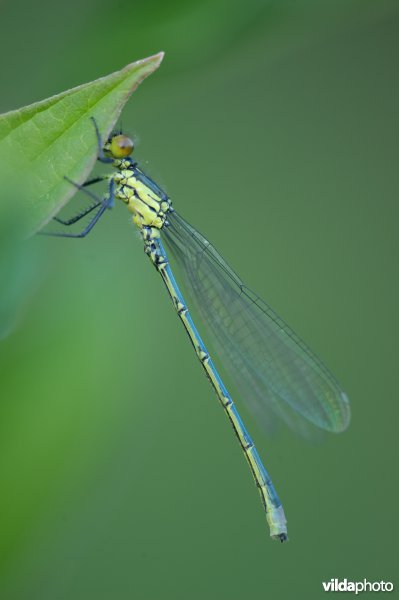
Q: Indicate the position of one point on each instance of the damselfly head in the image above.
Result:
(119, 146)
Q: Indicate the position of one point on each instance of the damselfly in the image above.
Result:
(270, 365)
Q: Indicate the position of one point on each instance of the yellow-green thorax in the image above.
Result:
(148, 203)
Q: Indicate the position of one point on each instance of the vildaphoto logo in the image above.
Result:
(343, 585)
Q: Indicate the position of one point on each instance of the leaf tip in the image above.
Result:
(156, 58)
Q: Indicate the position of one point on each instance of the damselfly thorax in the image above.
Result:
(146, 201)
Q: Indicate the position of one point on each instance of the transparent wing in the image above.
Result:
(271, 366)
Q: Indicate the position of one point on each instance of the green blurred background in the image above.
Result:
(120, 477)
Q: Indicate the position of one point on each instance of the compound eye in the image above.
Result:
(121, 146)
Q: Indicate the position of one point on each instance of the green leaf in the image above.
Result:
(42, 143)
(20, 276)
